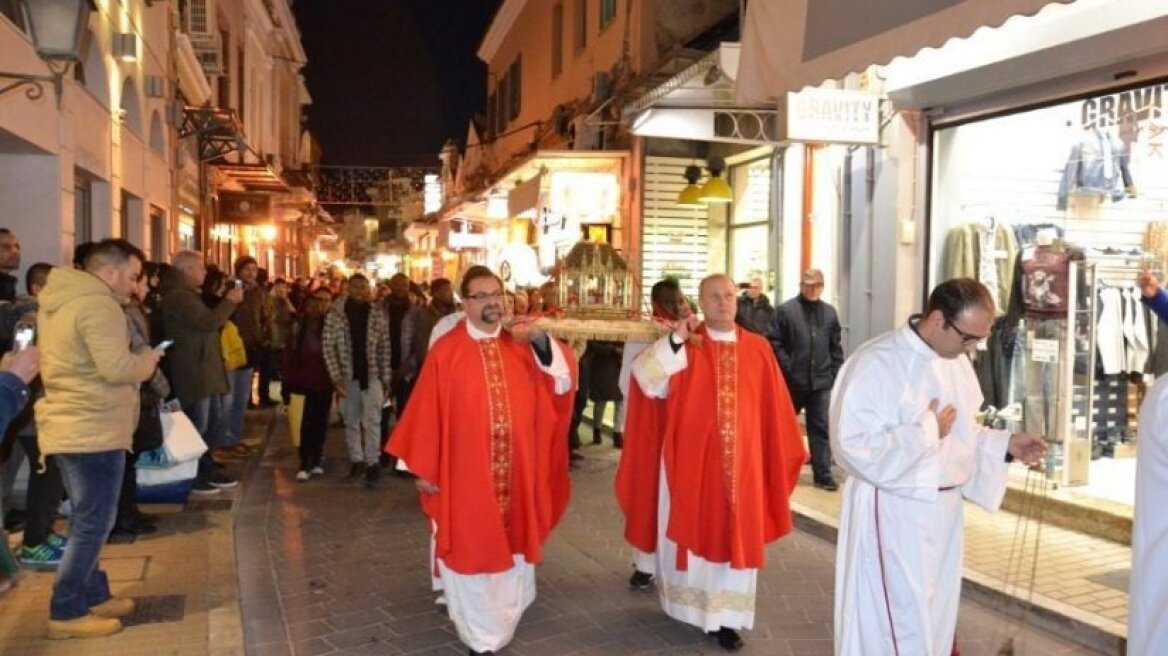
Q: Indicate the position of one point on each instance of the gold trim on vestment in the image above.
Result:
(727, 414)
(499, 407)
(710, 602)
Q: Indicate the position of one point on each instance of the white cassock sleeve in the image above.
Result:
(891, 447)
(656, 364)
(558, 369)
(1148, 615)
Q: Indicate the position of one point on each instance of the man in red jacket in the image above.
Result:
(730, 456)
(483, 432)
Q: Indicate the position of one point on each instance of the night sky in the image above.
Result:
(391, 80)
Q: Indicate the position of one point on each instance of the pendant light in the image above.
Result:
(691, 195)
(716, 190)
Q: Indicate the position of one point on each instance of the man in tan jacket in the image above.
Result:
(87, 419)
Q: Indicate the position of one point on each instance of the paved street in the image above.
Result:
(329, 566)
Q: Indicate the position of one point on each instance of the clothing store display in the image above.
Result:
(1025, 234)
(985, 253)
(1098, 166)
(1044, 284)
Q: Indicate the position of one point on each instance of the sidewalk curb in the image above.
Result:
(1088, 630)
(225, 635)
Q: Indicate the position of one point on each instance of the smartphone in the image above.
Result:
(164, 344)
(24, 337)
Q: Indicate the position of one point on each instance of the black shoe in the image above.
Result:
(149, 518)
(372, 473)
(222, 481)
(728, 639)
(574, 456)
(14, 520)
(596, 439)
(828, 484)
(640, 580)
(130, 525)
(476, 653)
(618, 440)
(356, 470)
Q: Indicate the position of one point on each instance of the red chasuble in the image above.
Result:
(640, 463)
(485, 425)
(732, 452)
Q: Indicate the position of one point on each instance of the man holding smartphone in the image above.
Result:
(86, 420)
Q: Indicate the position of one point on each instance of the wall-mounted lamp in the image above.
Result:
(716, 190)
(56, 27)
(125, 46)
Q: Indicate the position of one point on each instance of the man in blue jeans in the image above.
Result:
(195, 361)
(87, 419)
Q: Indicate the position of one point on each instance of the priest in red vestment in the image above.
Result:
(483, 432)
(729, 459)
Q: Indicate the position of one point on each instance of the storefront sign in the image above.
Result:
(244, 208)
(830, 116)
(1125, 106)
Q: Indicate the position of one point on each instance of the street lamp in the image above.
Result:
(56, 27)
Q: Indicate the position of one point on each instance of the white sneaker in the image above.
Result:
(302, 475)
(317, 471)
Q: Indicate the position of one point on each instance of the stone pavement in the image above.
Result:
(1080, 582)
(329, 567)
(183, 579)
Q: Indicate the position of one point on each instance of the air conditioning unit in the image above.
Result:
(209, 49)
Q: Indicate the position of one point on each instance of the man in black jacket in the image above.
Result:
(805, 334)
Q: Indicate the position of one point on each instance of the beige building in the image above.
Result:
(551, 161)
(123, 152)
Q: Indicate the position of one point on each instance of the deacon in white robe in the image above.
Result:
(1148, 610)
(904, 428)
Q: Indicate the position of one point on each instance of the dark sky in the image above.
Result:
(391, 80)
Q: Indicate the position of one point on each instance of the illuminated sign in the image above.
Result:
(830, 116)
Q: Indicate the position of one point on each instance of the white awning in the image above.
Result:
(791, 44)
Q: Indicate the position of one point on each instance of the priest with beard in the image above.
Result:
(483, 433)
(729, 458)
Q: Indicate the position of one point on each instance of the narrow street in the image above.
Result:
(329, 566)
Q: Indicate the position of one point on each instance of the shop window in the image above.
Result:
(1056, 210)
(580, 26)
(607, 12)
(557, 39)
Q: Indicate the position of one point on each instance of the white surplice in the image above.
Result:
(898, 557)
(706, 595)
(486, 608)
(1148, 611)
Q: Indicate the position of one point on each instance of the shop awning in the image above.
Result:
(1093, 39)
(791, 44)
(254, 177)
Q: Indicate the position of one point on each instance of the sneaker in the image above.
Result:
(221, 480)
(203, 487)
(640, 580)
(89, 626)
(43, 556)
(57, 540)
(114, 607)
(302, 475)
(317, 471)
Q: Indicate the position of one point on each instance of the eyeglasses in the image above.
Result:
(484, 296)
(966, 338)
(812, 284)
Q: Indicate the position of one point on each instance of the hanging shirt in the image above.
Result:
(1045, 282)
